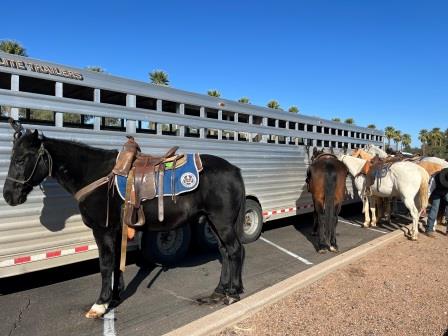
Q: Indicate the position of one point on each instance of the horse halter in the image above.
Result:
(41, 152)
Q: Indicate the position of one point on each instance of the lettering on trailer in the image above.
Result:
(45, 69)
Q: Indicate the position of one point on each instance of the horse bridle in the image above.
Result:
(41, 152)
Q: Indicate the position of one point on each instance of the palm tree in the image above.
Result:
(273, 104)
(436, 136)
(12, 47)
(95, 68)
(423, 137)
(389, 133)
(336, 119)
(372, 126)
(214, 93)
(159, 77)
(244, 100)
(293, 109)
(349, 121)
(406, 140)
(397, 138)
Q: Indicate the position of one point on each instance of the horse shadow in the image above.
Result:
(54, 214)
(146, 271)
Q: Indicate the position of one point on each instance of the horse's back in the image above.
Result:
(437, 160)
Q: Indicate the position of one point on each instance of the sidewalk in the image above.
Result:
(400, 289)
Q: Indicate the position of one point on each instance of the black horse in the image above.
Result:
(326, 182)
(219, 199)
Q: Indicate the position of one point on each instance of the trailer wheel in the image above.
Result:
(253, 222)
(167, 247)
(204, 237)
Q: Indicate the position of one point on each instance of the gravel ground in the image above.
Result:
(400, 289)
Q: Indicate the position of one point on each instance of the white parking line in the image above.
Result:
(109, 323)
(306, 262)
(358, 225)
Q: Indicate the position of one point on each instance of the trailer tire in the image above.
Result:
(253, 222)
(165, 248)
(204, 238)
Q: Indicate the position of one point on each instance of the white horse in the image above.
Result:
(375, 150)
(437, 160)
(403, 179)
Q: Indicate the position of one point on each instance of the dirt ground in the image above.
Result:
(400, 289)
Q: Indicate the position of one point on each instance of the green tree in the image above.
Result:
(244, 100)
(214, 93)
(336, 119)
(372, 126)
(293, 109)
(406, 140)
(95, 68)
(436, 136)
(349, 121)
(397, 138)
(273, 104)
(423, 137)
(159, 77)
(389, 133)
(12, 47)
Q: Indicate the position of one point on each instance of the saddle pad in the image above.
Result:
(186, 178)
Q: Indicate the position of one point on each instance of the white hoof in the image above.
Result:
(365, 224)
(97, 310)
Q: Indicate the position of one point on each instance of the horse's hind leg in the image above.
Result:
(409, 203)
(232, 264)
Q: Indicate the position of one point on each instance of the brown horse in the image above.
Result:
(326, 181)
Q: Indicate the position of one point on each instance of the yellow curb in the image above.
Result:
(230, 315)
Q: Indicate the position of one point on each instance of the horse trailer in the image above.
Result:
(271, 147)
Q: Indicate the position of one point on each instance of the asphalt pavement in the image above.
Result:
(158, 300)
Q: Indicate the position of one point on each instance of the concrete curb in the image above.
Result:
(218, 320)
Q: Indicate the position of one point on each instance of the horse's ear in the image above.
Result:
(315, 150)
(331, 150)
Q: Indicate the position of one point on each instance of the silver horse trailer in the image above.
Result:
(270, 146)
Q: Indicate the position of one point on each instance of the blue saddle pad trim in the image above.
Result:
(186, 179)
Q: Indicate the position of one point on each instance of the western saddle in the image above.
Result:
(374, 169)
(142, 170)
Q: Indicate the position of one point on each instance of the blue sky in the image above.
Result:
(380, 62)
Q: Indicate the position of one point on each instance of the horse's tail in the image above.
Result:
(330, 190)
(423, 193)
(241, 216)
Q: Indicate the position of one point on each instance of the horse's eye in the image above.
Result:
(20, 161)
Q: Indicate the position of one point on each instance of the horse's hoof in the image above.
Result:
(413, 238)
(97, 311)
(231, 299)
(322, 251)
(212, 299)
(365, 225)
(334, 249)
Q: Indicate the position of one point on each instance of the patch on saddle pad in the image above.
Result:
(186, 179)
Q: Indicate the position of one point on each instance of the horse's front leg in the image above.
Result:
(366, 211)
(373, 202)
(105, 241)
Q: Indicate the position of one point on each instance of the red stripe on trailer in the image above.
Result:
(21, 260)
(53, 254)
(81, 248)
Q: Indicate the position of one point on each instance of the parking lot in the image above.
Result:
(158, 300)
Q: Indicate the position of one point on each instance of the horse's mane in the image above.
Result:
(80, 145)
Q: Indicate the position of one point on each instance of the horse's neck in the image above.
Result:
(76, 165)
